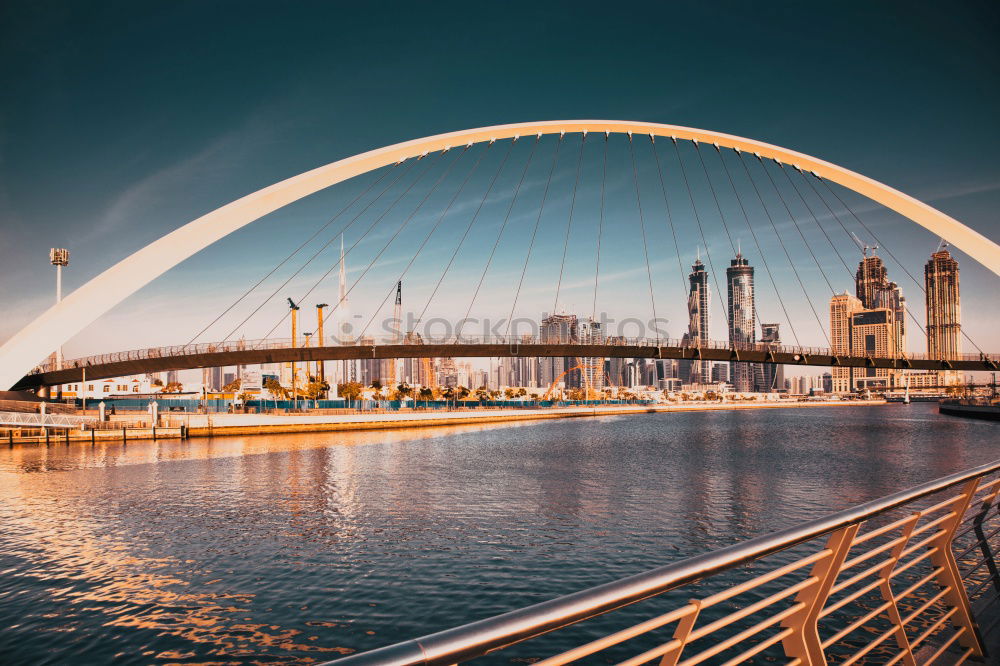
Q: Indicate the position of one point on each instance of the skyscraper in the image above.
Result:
(558, 329)
(739, 278)
(773, 374)
(699, 298)
(944, 315)
(525, 368)
(842, 309)
(870, 280)
(343, 371)
(617, 368)
(592, 369)
(862, 332)
(874, 333)
(874, 290)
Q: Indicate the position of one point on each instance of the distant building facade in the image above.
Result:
(699, 301)
(556, 329)
(742, 328)
(773, 374)
(944, 314)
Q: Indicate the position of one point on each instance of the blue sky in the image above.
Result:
(122, 121)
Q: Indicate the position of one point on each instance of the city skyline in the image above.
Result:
(198, 170)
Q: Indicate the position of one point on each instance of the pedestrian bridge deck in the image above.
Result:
(241, 352)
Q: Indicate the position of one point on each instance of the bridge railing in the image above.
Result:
(513, 342)
(903, 579)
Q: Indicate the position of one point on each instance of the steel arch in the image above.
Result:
(61, 322)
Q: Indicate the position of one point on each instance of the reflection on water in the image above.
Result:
(297, 548)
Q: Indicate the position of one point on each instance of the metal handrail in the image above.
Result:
(283, 343)
(484, 636)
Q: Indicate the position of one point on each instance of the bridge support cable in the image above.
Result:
(434, 228)
(795, 223)
(777, 234)
(468, 228)
(888, 251)
(645, 245)
(403, 225)
(534, 232)
(334, 237)
(815, 217)
(701, 231)
(364, 235)
(850, 273)
(718, 207)
(295, 251)
(848, 233)
(715, 196)
(756, 242)
(569, 221)
(600, 227)
(496, 243)
(670, 219)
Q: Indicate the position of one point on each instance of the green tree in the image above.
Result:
(315, 390)
(173, 387)
(350, 390)
(232, 386)
(275, 388)
(426, 393)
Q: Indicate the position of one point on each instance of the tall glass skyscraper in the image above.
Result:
(739, 279)
(699, 298)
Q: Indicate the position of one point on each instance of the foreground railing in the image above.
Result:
(910, 578)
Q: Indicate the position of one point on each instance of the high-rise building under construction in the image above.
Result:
(944, 315)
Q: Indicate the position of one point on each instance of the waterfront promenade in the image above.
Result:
(183, 425)
(245, 424)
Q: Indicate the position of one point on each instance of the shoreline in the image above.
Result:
(219, 425)
(214, 425)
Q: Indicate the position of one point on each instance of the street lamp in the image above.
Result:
(320, 340)
(59, 257)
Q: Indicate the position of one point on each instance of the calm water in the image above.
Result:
(304, 547)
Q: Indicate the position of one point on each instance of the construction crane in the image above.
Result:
(428, 372)
(864, 247)
(295, 332)
(320, 340)
(397, 318)
(582, 366)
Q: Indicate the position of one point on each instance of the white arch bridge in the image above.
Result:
(796, 180)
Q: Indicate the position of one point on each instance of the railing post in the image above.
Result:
(804, 643)
(951, 577)
(681, 632)
(885, 588)
(984, 544)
